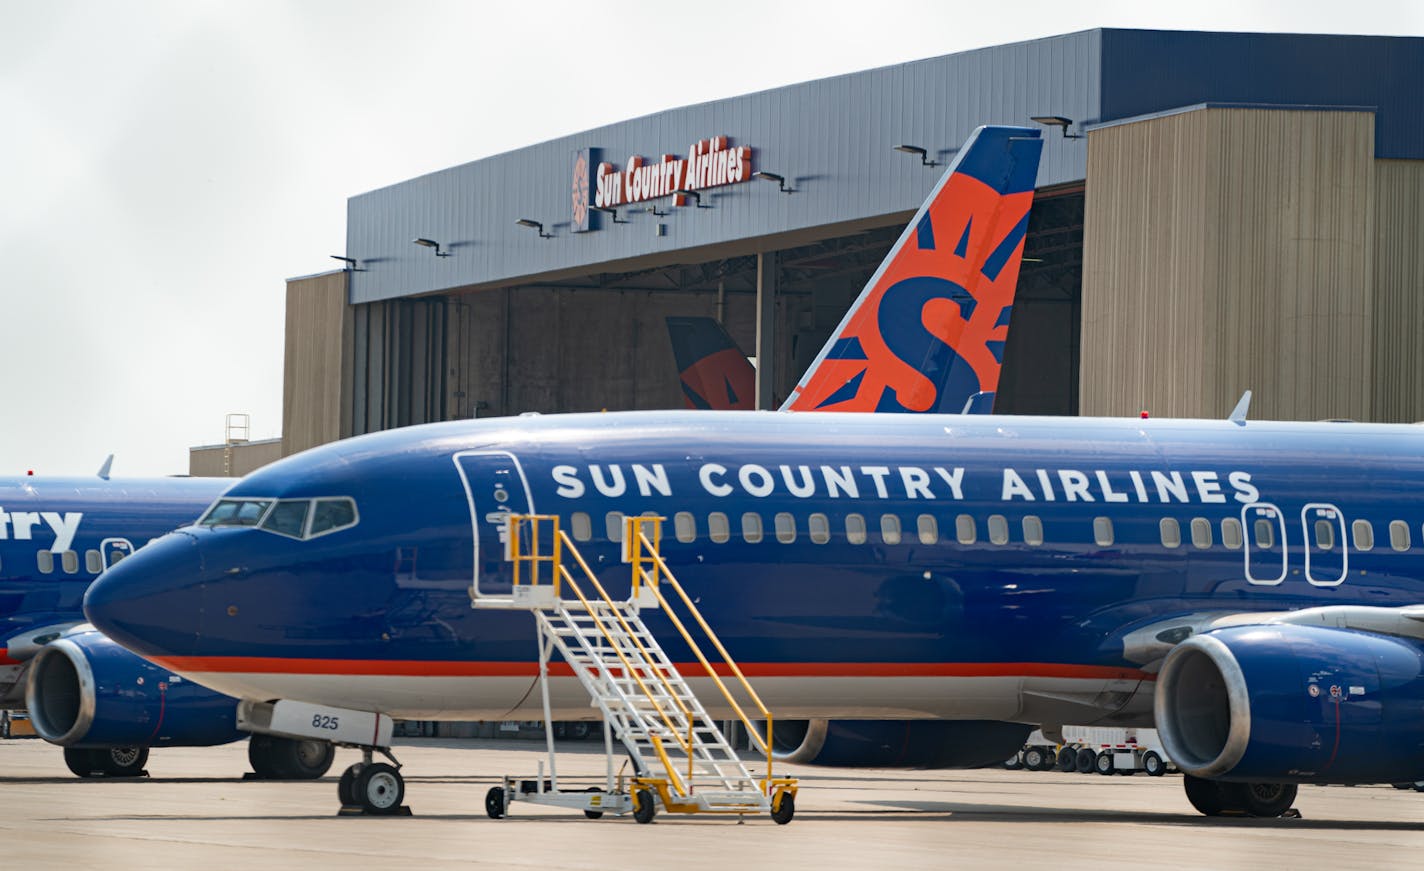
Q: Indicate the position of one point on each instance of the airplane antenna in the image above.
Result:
(1238, 414)
(104, 469)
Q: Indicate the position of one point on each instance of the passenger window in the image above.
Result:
(70, 560)
(998, 529)
(582, 525)
(1033, 530)
(1364, 535)
(1103, 531)
(44, 561)
(751, 527)
(1171, 532)
(93, 562)
(1201, 532)
(330, 515)
(684, 525)
(1324, 534)
(855, 529)
(965, 530)
(1265, 533)
(1399, 535)
(928, 529)
(718, 529)
(613, 525)
(288, 518)
(1231, 533)
(785, 528)
(890, 529)
(819, 527)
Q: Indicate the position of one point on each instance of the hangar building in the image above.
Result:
(1222, 211)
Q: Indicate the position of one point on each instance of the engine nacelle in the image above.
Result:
(1294, 704)
(84, 690)
(897, 743)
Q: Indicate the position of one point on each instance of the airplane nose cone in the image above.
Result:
(151, 602)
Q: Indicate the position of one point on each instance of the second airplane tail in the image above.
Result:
(927, 333)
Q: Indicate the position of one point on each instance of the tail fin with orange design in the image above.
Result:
(927, 332)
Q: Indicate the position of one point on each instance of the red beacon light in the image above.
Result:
(1143, 414)
(30, 473)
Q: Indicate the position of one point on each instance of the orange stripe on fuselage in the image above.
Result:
(408, 668)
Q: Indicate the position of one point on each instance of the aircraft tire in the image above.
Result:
(1207, 796)
(276, 758)
(1015, 762)
(83, 762)
(346, 786)
(1152, 763)
(122, 761)
(1261, 799)
(494, 803)
(1067, 759)
(379, 789)
(646, 808)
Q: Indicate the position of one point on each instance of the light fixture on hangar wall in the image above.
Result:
(608, 211)
(534, 225)
(923, 154)
(682, 196)
(430, 243)
(779, 179)
(1057, 121)
(352, 264)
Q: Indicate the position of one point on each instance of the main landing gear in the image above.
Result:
(106, 761)
(372, 788)
(276, 758)
(1214, 798)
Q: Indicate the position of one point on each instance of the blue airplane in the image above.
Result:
(105, 706)
(923, 588)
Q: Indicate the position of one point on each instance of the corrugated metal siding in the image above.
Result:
(318, 356)
(1146, 71)
(1228, 249)
(832, 139)
(1399, 290)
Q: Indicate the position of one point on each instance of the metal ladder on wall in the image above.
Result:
(681, 757)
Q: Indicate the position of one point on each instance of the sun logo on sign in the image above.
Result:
(580, 191)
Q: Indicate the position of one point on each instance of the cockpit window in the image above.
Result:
(331, 515)
(236, 512)
(288, 518)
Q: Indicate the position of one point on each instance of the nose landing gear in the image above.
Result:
(372, 788)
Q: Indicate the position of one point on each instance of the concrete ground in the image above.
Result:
(195, 813)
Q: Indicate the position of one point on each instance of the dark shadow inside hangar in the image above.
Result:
(600, 342)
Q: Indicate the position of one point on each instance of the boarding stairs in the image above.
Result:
(680, 755)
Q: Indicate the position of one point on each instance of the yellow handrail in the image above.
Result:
(667, 575)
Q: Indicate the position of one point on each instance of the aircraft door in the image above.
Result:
(115, 549)
(1264, 529)
(1327, 556)
(496, 487)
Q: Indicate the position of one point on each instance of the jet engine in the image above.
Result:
(897, 743)
(84, 690)
(1280, 703)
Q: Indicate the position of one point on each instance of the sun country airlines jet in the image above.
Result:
(944, 581)
(105, 706)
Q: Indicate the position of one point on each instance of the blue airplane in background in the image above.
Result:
(105, 706)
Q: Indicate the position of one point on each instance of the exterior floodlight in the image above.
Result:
(431, 243)
(653, 210)
(1057, 121)
(780, 180)
(696, 198)
(534, 225)
(607, 211)
(351, 262)
(917, 150)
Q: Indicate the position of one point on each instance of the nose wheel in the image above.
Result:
(373, 789)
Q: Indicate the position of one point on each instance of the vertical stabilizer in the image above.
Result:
(713, 370)
(927, 333)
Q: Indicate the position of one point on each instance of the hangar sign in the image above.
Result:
(710, 163)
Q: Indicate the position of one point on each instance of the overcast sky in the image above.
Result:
(165, 166)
